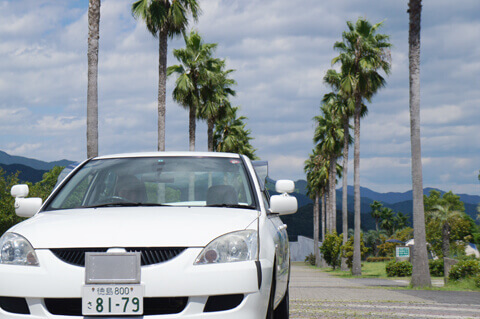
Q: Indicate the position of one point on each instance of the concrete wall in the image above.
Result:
(301, 248)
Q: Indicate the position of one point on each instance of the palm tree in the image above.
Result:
(376, 213)
(420, 270)
(195, 70)
(387, 220)
(215, 99)
(92, 87)
(445, 215)
(316, 168)
(231, 135)
(164, 18)
(346, 109)
(362, 53)
(400, 221)
(329, 137)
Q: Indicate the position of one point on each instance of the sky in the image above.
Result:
(280, 50)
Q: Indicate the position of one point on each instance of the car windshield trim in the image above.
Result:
(232, 206)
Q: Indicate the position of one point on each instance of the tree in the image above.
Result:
(41, 189)
(346, 108)
(44, 187)
(231, 135)
(376, 213)
(436, 198)
(164, 18)
(331, 248)
(444, 215)
(347, 250)
(316, 169)
(362, 53)
(8, 218)
(329, 138)
(195, 70)
(446, 221)
(92, 86)
(421, 272)
(214, 96)
(373, 238)
(478, 207)
(400, 221)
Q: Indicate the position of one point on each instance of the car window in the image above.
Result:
(176, 181)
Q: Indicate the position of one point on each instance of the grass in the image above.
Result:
(369, 270)
(377, 270)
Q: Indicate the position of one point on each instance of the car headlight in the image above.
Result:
(16, 250)
(232, 247)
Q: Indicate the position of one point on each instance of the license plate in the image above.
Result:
(105, 300)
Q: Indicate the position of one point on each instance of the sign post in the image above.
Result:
(402, 253)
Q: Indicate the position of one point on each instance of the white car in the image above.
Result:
(150, 235)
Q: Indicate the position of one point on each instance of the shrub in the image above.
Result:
(399, 269)
(331, 249)
(477, 281)
(379, 259)
(436, 267)
(347, 250)
(464, 268)
(310, 259)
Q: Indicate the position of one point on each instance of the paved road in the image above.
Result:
(315, 294)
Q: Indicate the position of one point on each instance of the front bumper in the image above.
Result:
(55, 279)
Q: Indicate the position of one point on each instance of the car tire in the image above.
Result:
(271, 301)
(282, 311)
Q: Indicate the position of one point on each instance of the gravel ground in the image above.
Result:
(314, 294)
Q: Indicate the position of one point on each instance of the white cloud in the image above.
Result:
(280, 52)
(23, 148)
(59, 124)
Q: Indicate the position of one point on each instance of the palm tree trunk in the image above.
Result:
(327, 211)
(323, 263)
(323, 217)
(92, 88)
(316, 224)
(162, 86)
(332, 176)
(191, 127)
(446, 240)
(420, 271)
(210, 123)
(357, 261)
(346, 129)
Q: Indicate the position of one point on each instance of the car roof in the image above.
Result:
(170, 154)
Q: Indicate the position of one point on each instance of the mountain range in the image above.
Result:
(6, 159)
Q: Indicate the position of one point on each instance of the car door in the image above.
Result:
(282, 252)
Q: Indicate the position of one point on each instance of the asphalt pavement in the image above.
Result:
(316, 294)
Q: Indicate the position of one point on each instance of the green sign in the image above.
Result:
(403, 251)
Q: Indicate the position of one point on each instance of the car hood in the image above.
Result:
(133, 227)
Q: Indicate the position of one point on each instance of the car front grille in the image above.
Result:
(151, 306)
(150, 255)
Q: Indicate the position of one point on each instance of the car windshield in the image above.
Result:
(157, 181)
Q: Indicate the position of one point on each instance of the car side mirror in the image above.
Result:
(283, 204)
(25, 207)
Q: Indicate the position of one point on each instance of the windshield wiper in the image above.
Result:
(124, 204)
(232, 206)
